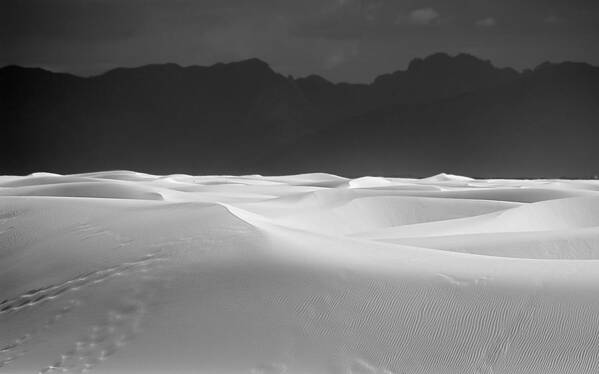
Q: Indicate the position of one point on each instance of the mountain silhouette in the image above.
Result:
(456, 114)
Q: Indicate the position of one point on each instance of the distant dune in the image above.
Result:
(125, 272)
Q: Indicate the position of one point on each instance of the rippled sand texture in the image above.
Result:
(123, 272)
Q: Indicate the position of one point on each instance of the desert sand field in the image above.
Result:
(125, 272)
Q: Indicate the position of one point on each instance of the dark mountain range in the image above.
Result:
(453, 114)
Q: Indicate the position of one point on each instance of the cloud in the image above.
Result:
(68, 20)
(486, 22)
(552, 19)
(341, 20)
(296, 37)
(340, 55)
(423, 16)
(371, 9)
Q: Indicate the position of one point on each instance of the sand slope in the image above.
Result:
(120, 272)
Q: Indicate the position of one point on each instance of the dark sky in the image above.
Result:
(351, 40)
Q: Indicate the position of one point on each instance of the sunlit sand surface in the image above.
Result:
(124, 272)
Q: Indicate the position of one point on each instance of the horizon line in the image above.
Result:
(452, 56)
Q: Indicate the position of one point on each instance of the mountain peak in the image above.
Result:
(314, 81)
(144, 69)
(563, 66)
(254, 61)
(441, 61)
(254, 64)
(242, 116)
(14, 72)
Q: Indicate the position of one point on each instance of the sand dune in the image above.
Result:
(120, 272)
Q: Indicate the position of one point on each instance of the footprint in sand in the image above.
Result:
(119, 326)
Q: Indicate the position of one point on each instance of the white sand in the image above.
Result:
(121, 272)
